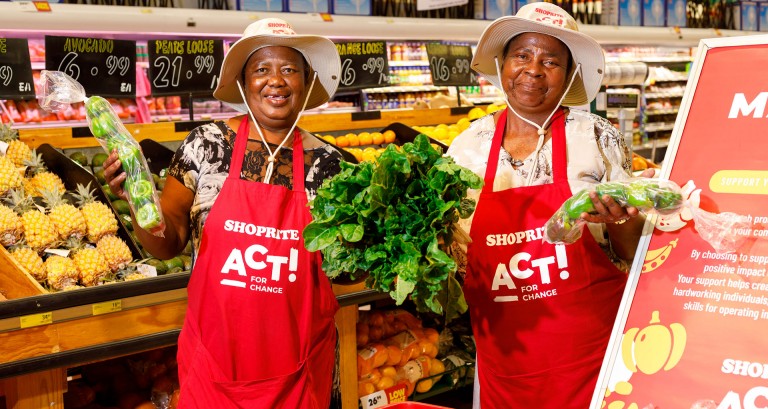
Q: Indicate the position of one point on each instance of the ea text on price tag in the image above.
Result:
(107, 307)
(103, 67)
(34, 320)
(15, 69)
(179, 67)
(449, 64)
(363, 65)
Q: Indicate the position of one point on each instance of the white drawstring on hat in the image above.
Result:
(272, 155)
(540, 129)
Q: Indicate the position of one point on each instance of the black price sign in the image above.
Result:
(363, 65)
(178, 67)
(449, 64)
(15, 70)
(103, 67)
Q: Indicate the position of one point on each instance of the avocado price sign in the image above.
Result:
(449, 64)
(15, 69)
(103, 67)
(363, 65)
(178, 67)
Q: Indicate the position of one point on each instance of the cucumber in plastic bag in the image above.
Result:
(60, 90)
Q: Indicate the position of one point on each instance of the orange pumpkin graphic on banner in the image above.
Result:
(654, 347)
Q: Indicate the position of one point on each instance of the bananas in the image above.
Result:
(655, 258)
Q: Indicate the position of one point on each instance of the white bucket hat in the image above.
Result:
(320, 53)
(544, 18)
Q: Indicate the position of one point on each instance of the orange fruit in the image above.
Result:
(330, 139)
(389, 136)
(353, 139)
(365, 138)
(365, 388)
(342, 142)
(424, 385)
(377, 138)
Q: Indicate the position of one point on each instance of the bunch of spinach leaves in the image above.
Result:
(385, 219)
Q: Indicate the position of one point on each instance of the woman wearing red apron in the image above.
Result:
(259, 330)
(541, 313)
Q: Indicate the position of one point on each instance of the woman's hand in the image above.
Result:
(608, 211)
(113, 173)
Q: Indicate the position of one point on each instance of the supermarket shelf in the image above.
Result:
(657, 143)
(683, 78)
(650, 60)
(651, 95)
(413, 63)
(154, 23)
(662, 111)
(404, 88)
(659, 127)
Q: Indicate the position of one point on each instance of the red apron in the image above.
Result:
(259, 330)
(541, 314)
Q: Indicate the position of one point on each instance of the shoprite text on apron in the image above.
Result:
(541, 314)
(259, 331)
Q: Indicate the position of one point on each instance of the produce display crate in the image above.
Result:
(158, 155)
(405, 134)
(455, 378)
(413, 405)
(15, 281)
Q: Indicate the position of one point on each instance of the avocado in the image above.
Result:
(80, 158)
(121, 206)
(98, 160)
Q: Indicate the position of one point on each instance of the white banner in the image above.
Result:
(438, 4)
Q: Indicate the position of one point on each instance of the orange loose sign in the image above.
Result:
(691, 329)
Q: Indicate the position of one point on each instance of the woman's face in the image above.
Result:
(275, 85)
(534, 72)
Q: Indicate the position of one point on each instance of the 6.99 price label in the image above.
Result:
(15, 69)
(179, 67)
(449, 64)
(102, 66)
(363, 65)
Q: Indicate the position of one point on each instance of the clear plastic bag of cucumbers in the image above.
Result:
(649, 195)
(59, 91)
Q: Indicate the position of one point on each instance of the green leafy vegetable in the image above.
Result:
(386, 219)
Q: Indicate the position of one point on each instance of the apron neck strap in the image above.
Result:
(558, 149)
(241, 140)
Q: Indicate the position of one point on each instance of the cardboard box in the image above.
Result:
(352, 7)
(676, 13)
(630, 12)
(748, 20)
(309, 6)
(261, 5)
(654, 13)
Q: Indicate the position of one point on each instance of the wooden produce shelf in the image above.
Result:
(43, 334)
(80, 136)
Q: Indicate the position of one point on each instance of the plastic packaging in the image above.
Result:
(650, 196)
(59, 91)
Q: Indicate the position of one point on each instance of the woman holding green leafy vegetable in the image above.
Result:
(259, 330)
(542, 313)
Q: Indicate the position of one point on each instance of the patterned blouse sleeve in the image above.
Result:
(203, 146)
(616, 154)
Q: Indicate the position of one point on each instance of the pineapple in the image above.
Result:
(17, 151)
(42, 179)
(30, 260)
(93, 266)
(68, 219)
(10, 178)
(39, 231)
(11, 228)
(99, 218)
(61, 272)
(115, 250)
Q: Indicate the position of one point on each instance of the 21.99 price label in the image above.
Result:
(178, 67)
